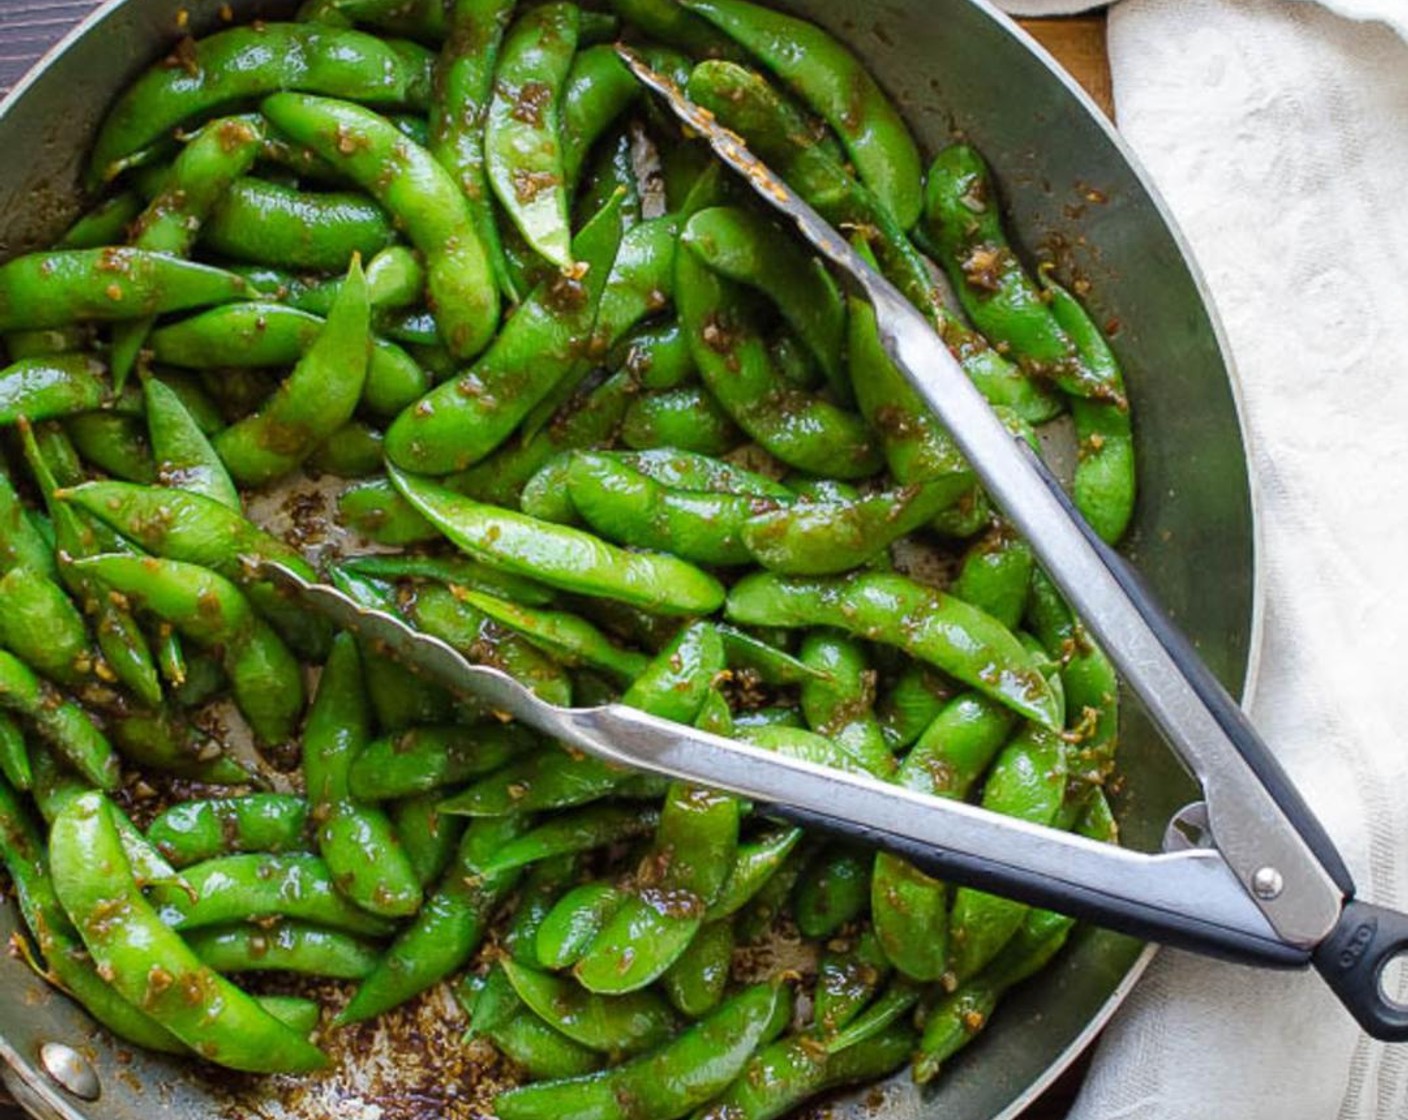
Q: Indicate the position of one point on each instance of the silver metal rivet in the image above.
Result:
(70, 1069)
(1267, 882)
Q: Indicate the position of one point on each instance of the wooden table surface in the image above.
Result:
(29, 27)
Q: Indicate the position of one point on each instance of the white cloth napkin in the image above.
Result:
(1278, 134)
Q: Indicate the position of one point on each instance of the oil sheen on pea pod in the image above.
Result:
(419, 194)
(150, 964)
(835, 84)
(523, 130)
(463, 420)
(561, 556)
(317, 398)
(895, 610)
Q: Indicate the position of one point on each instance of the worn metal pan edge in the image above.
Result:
(1222, 607)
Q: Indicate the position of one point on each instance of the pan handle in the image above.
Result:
(1352, 961)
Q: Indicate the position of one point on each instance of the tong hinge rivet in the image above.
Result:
(70, 1069)
(1267, 883)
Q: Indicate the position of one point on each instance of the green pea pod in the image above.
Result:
(656, 354)
(21, 544)
(375, 511)
(635, 510)
(695, 983)
(771, 665)
(827, 537)
(210, 610)
(318, 397)
(587, 830)
(355, 839)
(245, 63)
(447, 929)
(163, 741)
(195, 831)
(105, 224)
(689, 419)
(833, 891)
(465, 83)
(995, 574)
(419, 194)
(893, 610)
(54, 386)
(43, 628)
(834, 83)
(353, 451)
(151, 965)
(751, 250)
(52, 289)
(1104, 479)
(597, 90)
(774, 715)
(544, 1053)
(611, 171)
(461, 421)
(523, 133)
(560, 556)
(418, 19)
(14, 755)
(1027, 781)
(422, 759)
(458, 571)
(848, 976)
(615, 1025)
(754, 866)
(60, 723)
(839, 699)
(286, 947)
(116, 443)
(65, 958)
(915, 697)
(670, 1082)
(185, 459)
(801, 430)
(574, 921)
(428, 837)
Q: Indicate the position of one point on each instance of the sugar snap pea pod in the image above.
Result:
(461, 421)
(149, 964)
(423, 20)
(52, 289)
(428, 837)
(298, 1014)
(915, 697)
(1091, 686)
(544, 1053)
(894, 610)
(774, 715)
(116, 443)
(41, 625)
(755, 863)
(546, 882)
(670, 1082)
(66, 961)
(615, 1025)
(286, 947)
(833, 890)
(375, 511)
(611, 170)
(995, 574)
(598, 89)
(784, 1074)
(566, 638)
(245, 63)
(1104, 482)
(838, 699)
(668, 22)
(838, 87)
(419, 194)
(54, 340)
(422, 759)
(464, 84)
(164, 742)
(353, 451)
(894, 1002)
(574, 921)
(1027, 781)
(586, 830)
(105, 224)
(55, 385)
(560, 556)
(195, 831)
(458, 571)
(523, 132)
(656, 354)
(633, 509)
(749, 249)
(184, 457)
(14, 754)
(59, 722)
(690, 860)
(689, 418)
(848, 975)
(447, 929)
(962, 218)
(356, 840)
(759, 917)
(827, 537)
(253, 885)
(695, 983)
(769, 664)
(801, 430)
(316, 399)
(21, 544)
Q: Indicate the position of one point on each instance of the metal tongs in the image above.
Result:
(1266, 887)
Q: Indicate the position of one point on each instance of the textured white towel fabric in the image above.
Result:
(1278, 133)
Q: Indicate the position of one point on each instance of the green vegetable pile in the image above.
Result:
(617, 433)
